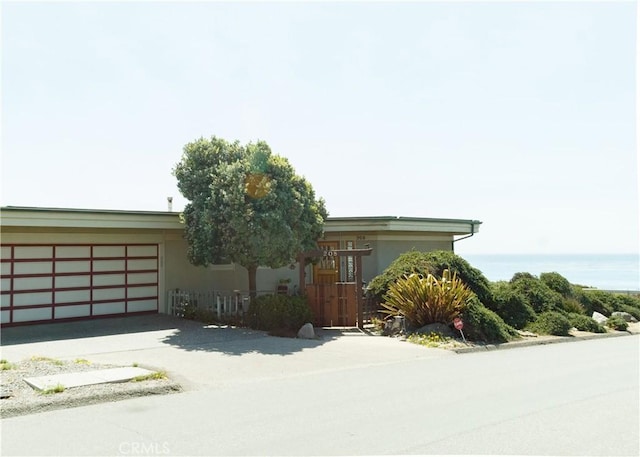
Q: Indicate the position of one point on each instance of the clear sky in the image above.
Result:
(518, 114)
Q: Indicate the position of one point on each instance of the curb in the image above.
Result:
(539, 342)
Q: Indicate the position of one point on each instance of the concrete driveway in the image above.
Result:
(197, 355)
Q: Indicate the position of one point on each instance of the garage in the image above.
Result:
(51, 282)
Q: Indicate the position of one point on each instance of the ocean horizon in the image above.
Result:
(603, 271)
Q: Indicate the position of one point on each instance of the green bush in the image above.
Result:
(278, 313)
(617, 323)
(600, 301)
(482, 324)
(427, 300)
(511, 305)
(538, 294)
(557, 283)
(585, 323)
(434, 263)
(572, 305)
(551, 323)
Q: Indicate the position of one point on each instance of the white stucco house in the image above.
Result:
(62, 264)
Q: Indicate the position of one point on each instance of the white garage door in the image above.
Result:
(77, 281)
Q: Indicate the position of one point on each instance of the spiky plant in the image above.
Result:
(426, 300)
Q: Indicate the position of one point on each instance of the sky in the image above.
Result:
(519, 114)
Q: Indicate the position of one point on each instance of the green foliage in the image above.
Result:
(246, 205)
(58, 388)
(572, 305)
(511, 305)
(617, 323)
(427, 300)
(434, 263)
(5, 365)
(585, 323)
(557, 283)
(551, 323)
(432, 340)
(155, 376)
(538, 294)
(482, 324)
(279, 313)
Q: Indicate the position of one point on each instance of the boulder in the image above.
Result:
(626, 316)
(307, 332)
(438, 327)
(394, 326)
(599, 318)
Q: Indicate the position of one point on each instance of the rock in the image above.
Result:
(394, 326)
(306, 332)
(599, 318)
(626, 316)
(438, 327)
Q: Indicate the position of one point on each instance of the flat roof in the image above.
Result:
(17, 216)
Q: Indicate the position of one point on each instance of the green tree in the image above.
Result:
(246, 205)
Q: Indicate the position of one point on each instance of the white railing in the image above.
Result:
(223, 303)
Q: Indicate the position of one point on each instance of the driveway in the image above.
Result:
(198, 355)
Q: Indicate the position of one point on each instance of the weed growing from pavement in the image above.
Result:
(156, 375)
(38, 358)
(5, 365)
(82, 362)
(58, 388)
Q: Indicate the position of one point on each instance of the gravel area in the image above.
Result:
(18, 398)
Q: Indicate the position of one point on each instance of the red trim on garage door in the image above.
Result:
(61, 282)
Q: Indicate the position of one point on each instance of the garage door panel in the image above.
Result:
(109, 294)
(33, 252)
(33, 283)
(5, 317)
(108, 280)
(73, 251)
(73, 296)
(5, 252)
(5, 268)
(109, 265)
(142, 264)
(5, 300)
(36, 314)
(142, 251)
(22, 268)
(73, 266)
(142, 278)
(101, 309)
(65, 312)
(108, 251)
(32, 298)
(73, 281)
(5, 284)
(139, 292)
(142, 305)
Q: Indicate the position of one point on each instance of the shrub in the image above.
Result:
(539, 295)
(617, 323)
(551, 323)
(557, 283)
(279, 313)
(571, 305)
(511, 305)
(434, 263)
(426, 300)
(585, 323)
(482, 324)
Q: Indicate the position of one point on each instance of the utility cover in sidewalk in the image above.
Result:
(86, 378)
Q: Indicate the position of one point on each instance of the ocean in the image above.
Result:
(603, 271)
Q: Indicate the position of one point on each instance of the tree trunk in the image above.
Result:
(253, 272)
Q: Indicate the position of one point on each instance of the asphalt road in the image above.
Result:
(564, 399)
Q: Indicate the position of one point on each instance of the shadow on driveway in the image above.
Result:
(156, 331)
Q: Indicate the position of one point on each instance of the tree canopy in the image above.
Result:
(246, 205)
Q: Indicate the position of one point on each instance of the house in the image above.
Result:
(62, 264)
